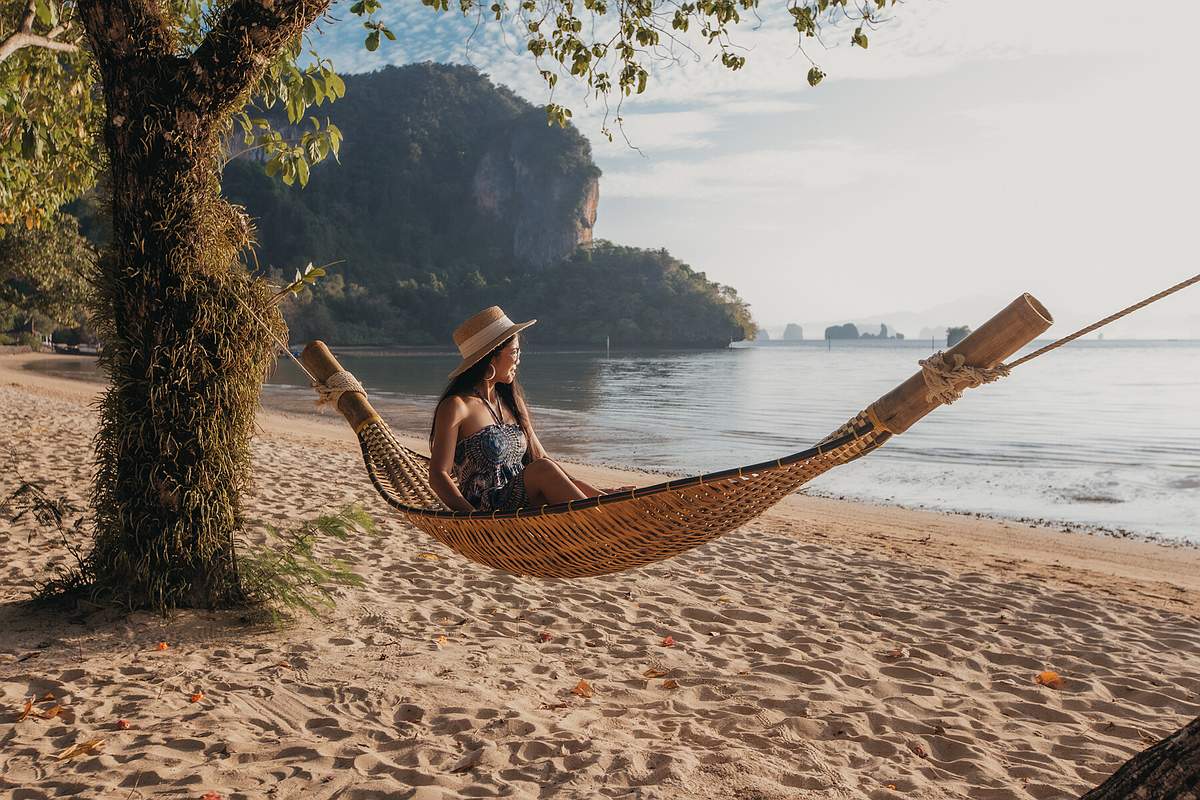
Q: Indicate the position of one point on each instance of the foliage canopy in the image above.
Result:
(43, 272)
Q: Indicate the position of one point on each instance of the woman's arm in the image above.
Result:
(538, 451)
(535, 445)
(449, 415)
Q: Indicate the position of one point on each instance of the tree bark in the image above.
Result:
(1170, 770)
(181, 319)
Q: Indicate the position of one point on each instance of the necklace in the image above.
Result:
(499, 417)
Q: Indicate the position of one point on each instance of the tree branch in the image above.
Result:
(244, 40)
(16, 41)
(24, 36)
(27, 20)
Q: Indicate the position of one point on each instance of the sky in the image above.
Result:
(975, 151)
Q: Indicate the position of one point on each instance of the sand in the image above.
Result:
(828, 650)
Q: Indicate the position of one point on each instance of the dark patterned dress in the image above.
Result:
(488, 468)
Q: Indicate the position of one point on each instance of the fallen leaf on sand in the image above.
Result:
(197, 697)
(163, 645)
(50, 713)
(582, 689)
(441, 641)
(81, 749)
(724, 599)
(655, 672)
(1049, 678)
(429, 556)
(891, 786)
(47, 696)
(898, 652)
(545, 636)
(122, 724)
(27, 711)
(670, 683)
(554, 706)
(918, 749)
(211, 796)
(668, 641)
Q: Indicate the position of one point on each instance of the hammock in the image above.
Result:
(620, 531)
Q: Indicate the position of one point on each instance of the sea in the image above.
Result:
(1096, 435)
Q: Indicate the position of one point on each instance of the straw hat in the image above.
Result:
(480, 334)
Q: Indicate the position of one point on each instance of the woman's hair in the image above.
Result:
(510, 394)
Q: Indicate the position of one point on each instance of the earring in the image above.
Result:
(493, 375)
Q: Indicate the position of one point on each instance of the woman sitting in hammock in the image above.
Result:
(485, 455)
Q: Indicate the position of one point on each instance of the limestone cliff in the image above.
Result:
(549, 202)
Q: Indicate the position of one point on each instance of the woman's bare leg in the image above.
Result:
(587, 489)
(545, 482)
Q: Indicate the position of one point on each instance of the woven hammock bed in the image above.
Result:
(624, 530)
(605, 534)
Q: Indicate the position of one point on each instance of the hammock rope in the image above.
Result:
(947, 383)
(332, 388)
(1110, 318)
(623, 530)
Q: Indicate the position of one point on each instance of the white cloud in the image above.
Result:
(819, 166)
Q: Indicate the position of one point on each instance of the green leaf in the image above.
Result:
(47, 12)
(337, 86)
(815, 75)
(373, 41)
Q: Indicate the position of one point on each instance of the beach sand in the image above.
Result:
(828, 650)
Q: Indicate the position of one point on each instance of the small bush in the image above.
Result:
(284, 576)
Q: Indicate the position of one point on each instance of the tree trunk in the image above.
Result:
(185, 361)
(183, 348)
(1170, 770)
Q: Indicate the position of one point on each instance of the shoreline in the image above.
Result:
(825, 649)
(1173, 567)
(275, 400)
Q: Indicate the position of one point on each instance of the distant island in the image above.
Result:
(957, 334)
(850, 331)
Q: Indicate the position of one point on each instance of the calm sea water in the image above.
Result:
(1103, 434)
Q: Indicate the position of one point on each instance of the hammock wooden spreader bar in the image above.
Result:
(630, 529)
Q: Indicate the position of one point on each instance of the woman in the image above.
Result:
(485, 455)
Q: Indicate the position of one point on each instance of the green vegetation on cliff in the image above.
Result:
(637, 298)
(453, 194)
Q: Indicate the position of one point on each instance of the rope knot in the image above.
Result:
(336, 385)
(941, 378)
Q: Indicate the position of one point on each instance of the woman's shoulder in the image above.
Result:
(451, 408)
